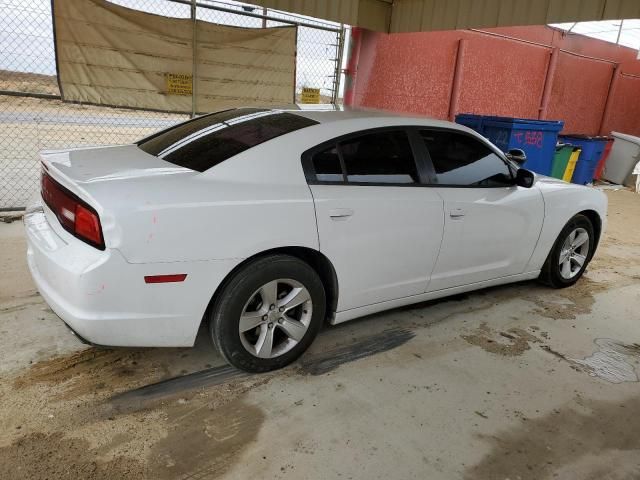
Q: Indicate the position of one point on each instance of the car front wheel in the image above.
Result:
(570, 254)
(268, 313)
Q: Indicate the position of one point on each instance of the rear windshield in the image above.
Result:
(206, 141)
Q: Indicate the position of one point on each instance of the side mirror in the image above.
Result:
(524, 178)
(517, 155)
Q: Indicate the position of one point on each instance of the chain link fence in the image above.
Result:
(33, 117)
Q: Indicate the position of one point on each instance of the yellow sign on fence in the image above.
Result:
(178, 83)
(310, 95)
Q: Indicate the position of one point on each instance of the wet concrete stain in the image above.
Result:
(329, 360)
(576, 300)
(513, 342)
(210, 377)
(92, 370)
(317, 364)
(205, 442)
(615, 361)
(580, 440)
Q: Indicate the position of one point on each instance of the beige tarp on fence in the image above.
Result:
(112, 55)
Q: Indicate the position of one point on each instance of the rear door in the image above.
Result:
(491, 225)
(377, 224)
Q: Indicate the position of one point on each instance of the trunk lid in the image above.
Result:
(105, 164)
(112, 180)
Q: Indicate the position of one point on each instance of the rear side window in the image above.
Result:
(381, 157)
(461, 160)
(327, 166)
(206, 141)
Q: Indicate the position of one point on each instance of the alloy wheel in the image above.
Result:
(275, 318)
(573, 254)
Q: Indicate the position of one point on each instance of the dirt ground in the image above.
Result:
(518, 382)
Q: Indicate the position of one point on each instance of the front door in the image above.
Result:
(491, 225)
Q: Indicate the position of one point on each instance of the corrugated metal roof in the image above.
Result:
(426, 15)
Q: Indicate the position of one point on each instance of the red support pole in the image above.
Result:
(548, 84)
(352, 66)
(613, 86)
(454, 99)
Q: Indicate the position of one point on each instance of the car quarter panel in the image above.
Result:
(253, 202)
(105, 299)
(561, 202)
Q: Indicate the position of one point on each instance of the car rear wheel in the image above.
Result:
(570, 254)
(268, 313)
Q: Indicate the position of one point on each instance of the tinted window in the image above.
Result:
(462, 160)
(383, 157)
(206, 141)
(326, 165)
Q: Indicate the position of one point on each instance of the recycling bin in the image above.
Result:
(625, 154)
(603, 159)
(571, 165)
(592, 150)
(470, 120)
(561, 159)
(537, 138)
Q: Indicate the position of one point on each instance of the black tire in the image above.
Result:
(550, 273)
(239, 289)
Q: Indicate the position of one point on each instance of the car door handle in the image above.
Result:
(340, 213)
(457, 213)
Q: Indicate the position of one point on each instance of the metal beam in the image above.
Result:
(426, 15)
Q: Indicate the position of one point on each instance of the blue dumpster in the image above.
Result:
(470, 120)
(592, 150)
(537, 138)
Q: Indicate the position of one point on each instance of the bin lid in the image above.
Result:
(580, 136)
(627, 137)
(524, 123)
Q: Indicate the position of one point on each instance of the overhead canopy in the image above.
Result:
(426, 15)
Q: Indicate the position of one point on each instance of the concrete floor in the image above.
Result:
(518, 382)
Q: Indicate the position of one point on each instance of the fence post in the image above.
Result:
(194, 55)
(352, 66)
(338, 69)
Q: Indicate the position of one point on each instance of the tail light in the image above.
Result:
(75, 215)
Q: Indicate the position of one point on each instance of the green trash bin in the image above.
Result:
(561, 159)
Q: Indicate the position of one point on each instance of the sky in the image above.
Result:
(608, 30)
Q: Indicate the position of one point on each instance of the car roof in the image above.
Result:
(335, 113)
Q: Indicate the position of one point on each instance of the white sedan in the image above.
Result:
(265, 223)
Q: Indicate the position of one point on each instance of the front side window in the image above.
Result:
(206, 141)
(462, 160)
(382, 157)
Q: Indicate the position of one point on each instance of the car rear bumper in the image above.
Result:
(105, 300)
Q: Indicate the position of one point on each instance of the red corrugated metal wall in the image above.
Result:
(579, 92)
(625, 105)
(502, 72)
(422, 87)
(502, 77)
